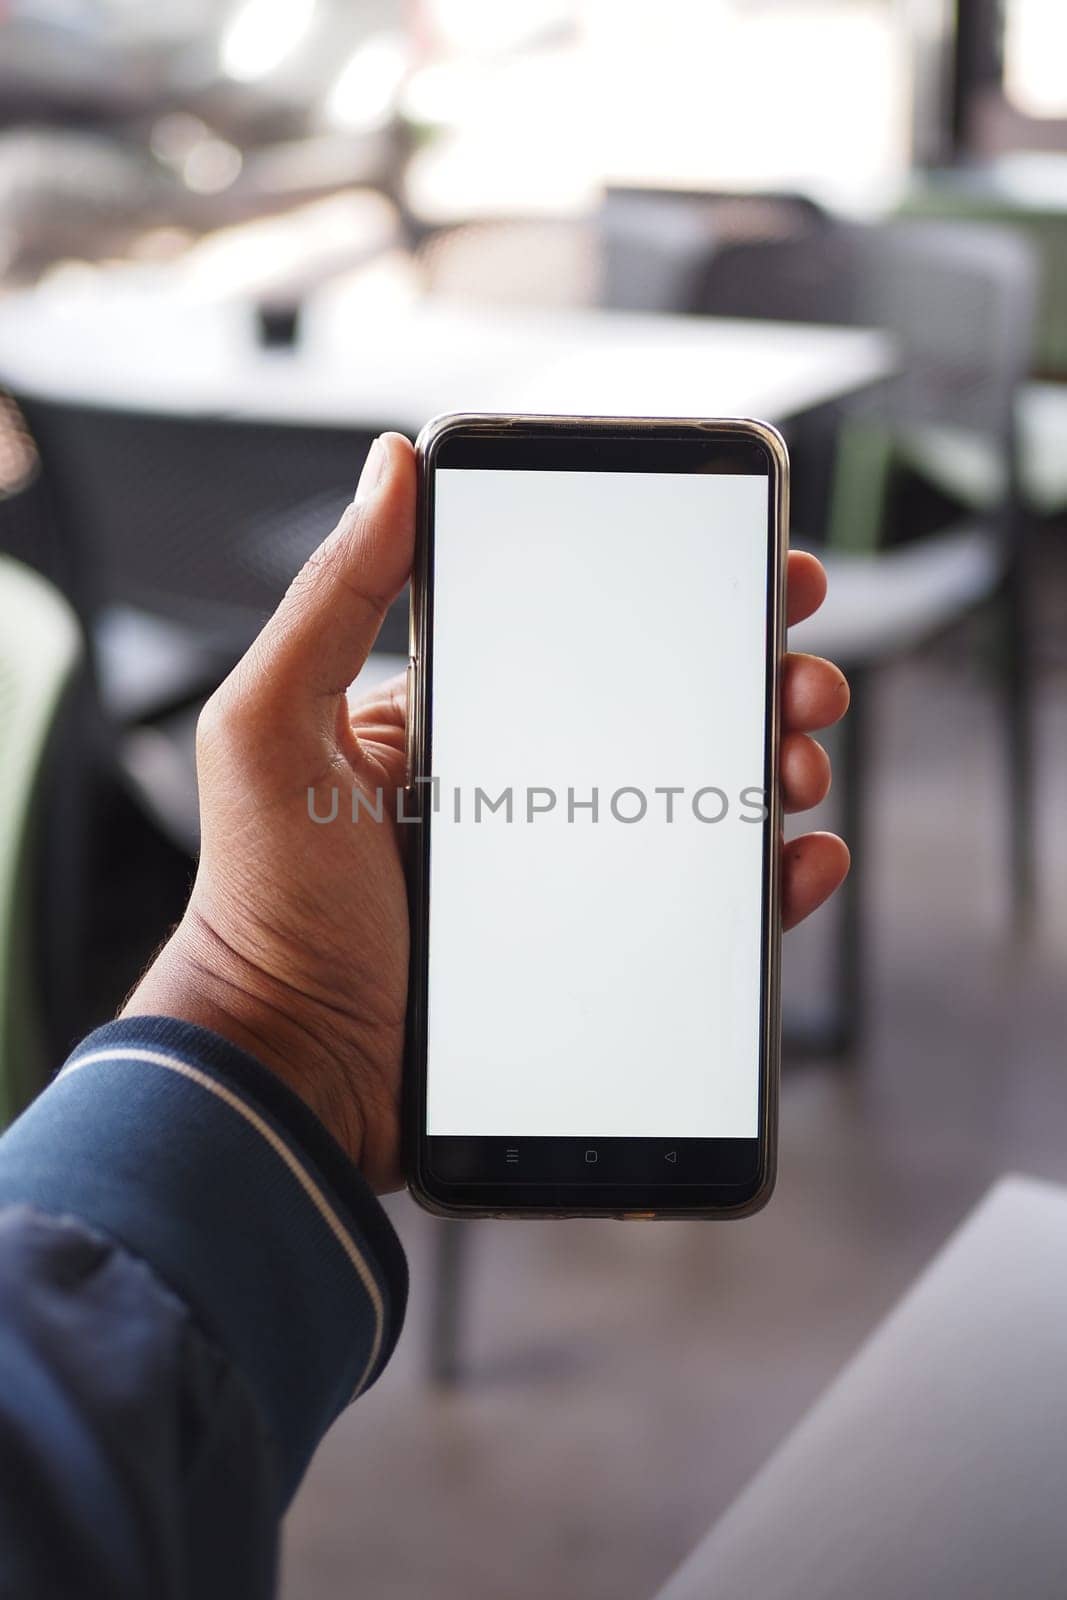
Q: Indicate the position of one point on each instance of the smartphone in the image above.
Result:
(593, 817)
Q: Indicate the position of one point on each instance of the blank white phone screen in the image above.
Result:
(598, 733)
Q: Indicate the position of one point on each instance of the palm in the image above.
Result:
(378, 722)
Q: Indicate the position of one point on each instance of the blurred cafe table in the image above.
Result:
(221, 517)
(141, 342)
(109, 350)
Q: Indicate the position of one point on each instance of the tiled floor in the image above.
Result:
(623, 1381)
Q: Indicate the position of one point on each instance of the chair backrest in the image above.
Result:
(959, 301)
(811, 276)
(40, 647)
(658, 243)
(197, 519)
(968, 197)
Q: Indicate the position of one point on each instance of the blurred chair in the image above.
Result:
(540, 261)
(960, 301)
(179, 535)
(40, 652)
(657, 243)
(995, 198)
(1043, 447)
(73, 194)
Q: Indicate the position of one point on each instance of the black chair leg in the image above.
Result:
(1017, 710)
(450, 1273)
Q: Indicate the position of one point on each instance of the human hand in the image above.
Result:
(294, 944)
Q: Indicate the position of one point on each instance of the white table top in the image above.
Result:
(147, 345)
(935, 1464)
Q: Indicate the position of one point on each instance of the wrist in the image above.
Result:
(198, 977)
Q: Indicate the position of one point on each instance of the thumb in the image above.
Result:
(324, 629)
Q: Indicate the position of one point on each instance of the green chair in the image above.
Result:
(40, 651)
(991, 196)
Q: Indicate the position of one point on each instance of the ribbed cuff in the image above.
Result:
(199, 1160)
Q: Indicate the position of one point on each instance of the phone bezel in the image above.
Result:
(543, 1200)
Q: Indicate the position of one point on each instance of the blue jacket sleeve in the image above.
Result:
(194, 1282)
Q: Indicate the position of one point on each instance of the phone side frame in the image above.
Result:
(417, 800)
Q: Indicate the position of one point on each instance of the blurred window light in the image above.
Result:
(364, 96)
(500, 154)
(810, 94)
(174, 135)
(1035, 49)
(441, 93)
(211, 166)
(814, 94)
(486, 27)
(261, 35)
(204, 162)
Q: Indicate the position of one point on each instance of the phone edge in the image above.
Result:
(429, 437)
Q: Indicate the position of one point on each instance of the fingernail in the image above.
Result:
(372, 471)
